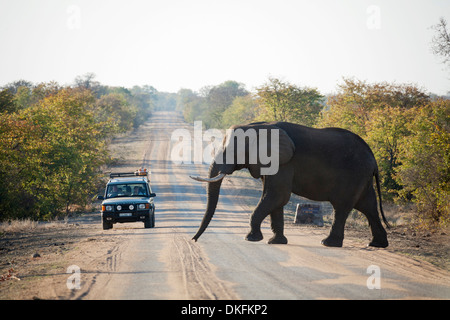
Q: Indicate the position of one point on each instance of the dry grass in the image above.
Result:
(24, 225)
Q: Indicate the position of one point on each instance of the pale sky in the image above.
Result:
(175, 44)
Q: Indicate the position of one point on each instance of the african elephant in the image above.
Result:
(328, 164)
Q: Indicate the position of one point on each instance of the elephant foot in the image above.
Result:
(254, 236)
(378, 243)
(332, 242)
(278, 240)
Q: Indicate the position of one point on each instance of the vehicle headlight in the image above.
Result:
(119, 207)
(143, 206)
(107, 208)
(131, 207)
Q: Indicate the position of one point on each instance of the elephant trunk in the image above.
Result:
(213, 190)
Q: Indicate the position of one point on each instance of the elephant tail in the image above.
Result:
(377, 180)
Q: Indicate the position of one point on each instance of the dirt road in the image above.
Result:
(130, 262)
(164, 263)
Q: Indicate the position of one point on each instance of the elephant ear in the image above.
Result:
(286, 148)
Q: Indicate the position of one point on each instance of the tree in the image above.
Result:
(87, 81)
(166, 101)
(21, 153)
(53, 140)
(7, 104)
(50, 155)
(242, 110)
(144, 99)
(441, 41)
(379, 113)
(425, 169)
(116, 110)
(23, 97)
(218, 99)
(351, 107)
(190, 104)
(210, 103)
(73, 148)
(282, 101)
(386, 131)
(15, 85)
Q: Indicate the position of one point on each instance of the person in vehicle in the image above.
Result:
(113, 192)
(138, 191)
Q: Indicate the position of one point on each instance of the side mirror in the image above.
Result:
(100, 198)
(152, 195)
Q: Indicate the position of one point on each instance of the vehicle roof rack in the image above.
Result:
(140, 172)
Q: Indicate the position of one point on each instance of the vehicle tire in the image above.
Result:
(149, 221)
(107, 225)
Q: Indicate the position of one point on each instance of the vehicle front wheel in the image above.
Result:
(149, 221)
(107, 225)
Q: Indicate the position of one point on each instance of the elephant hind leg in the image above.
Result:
(367, 204)
(277, 225)
(336, 236)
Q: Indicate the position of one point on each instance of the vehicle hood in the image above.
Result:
(125, 200)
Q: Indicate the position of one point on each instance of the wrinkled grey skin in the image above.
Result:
(328, 164)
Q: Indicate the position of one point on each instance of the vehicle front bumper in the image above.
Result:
(120, 217)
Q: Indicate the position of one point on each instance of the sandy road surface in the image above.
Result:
(163, 263)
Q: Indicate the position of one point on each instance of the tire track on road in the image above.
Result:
(190, 273)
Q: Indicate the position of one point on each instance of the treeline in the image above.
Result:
(409, 133)
(230, 103)
(53, 141)
(407, 129)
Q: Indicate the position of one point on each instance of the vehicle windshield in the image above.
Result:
(127, 190)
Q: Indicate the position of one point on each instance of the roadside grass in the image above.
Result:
(24, 225)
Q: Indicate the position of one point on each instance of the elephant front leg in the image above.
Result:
(276, 193)
(255, 233)
(261, 212)
(277, 223)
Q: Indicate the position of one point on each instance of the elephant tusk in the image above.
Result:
(219, 177)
